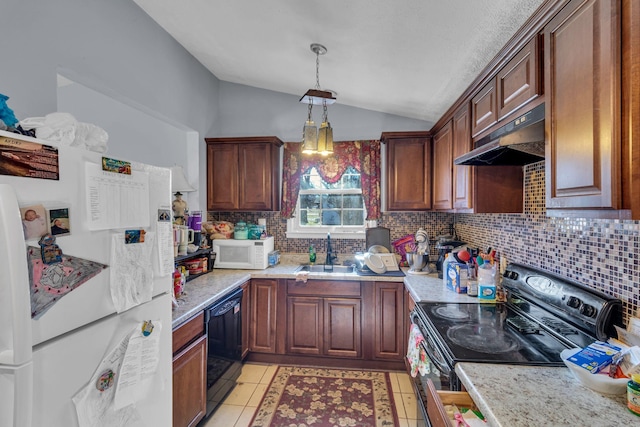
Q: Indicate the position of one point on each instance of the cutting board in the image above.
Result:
(378, 236)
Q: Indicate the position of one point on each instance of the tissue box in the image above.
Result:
(457, 275)
(595, 356)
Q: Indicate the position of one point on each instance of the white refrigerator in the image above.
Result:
(61, 337)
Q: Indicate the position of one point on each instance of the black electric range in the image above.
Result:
(543, 315)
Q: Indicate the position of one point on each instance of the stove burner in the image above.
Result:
(483, 339)
(452, 312)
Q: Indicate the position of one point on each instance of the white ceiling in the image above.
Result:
(412, 58)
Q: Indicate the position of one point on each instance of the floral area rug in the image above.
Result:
(313, 397)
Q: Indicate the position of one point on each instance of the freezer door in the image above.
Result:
(15, 304)
(63, 366)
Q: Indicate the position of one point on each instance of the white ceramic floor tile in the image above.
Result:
(395, 387)
(268, 374)
(225, 415)
(399, 403)
(245, 417)
(402, 422)
(404, 380)
(240, 394)
(410, 405)
(252, 373)
(257, 395)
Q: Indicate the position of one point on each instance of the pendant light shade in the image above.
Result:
(314, 140)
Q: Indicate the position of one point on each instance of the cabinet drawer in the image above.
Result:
(436, 399)
(187, 332)
(324, 288)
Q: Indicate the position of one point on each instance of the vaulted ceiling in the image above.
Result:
(411, 58)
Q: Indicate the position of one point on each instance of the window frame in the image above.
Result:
(297, 231)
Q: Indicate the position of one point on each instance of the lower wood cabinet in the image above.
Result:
(264, 312)
(324, 318)
(189, 372)
(390, 339)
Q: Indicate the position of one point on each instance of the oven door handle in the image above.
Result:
(429, 347)
(432, 354)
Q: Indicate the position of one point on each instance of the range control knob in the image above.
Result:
(511, 275)
(574, 302)
(588, 310)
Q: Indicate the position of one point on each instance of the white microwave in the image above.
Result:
(242, 254)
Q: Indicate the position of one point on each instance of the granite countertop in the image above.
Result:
(206, 289)
(523, 396)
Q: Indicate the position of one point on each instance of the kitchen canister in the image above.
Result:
(241, 232)
(633, 394)
(487, 283)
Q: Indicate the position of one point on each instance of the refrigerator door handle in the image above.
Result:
(15, 301)
(17, 400)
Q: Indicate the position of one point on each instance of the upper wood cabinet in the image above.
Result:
(243, 174)
(462, 175)
(484, 108)
(408, 170)
(583, 95)
(519, 81)
(442, 167)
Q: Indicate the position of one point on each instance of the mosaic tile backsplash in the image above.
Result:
(602, 254)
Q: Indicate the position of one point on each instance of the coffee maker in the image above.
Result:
(444, 247)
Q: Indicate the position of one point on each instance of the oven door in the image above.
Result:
(441, 374)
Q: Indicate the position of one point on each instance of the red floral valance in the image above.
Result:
(364, 156)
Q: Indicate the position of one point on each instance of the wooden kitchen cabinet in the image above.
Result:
(189, 372)
(520, 80)
(408, 170)
(462, 144)
(324, 318)
(243, 174)
(484, 108)
(582, 113)
(442, 167)
(264, 311)
(390, 339)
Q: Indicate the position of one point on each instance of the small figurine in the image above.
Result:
(49, 251)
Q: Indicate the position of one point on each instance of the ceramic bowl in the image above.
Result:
(598, 382)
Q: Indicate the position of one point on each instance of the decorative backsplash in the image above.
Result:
(602, 254)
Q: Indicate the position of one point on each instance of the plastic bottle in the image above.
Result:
(633, 394)
(487, 283)
(445, 265)
(312, 255)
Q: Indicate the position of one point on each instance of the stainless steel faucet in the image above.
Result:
(328, 263)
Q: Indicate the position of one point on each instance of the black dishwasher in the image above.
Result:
(223, 321)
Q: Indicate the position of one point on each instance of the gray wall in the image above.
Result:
(115, 48)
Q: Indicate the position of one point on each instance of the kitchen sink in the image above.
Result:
(320, 268)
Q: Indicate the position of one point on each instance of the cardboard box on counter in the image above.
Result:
(595, 357)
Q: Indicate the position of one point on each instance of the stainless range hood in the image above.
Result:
(519, 142)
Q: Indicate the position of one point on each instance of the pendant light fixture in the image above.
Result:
(314, 141)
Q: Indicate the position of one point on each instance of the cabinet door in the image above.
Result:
(390, 340)
(582, 81)
(442, 167)
(408, 171)
(462, 175)
(263, 315)
(256, 189)
(222, 177)
(304, 325)
(342, 327)
(189, 385)
(484, 111)
(519, 81)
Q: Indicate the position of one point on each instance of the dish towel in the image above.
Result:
(302, 276)
(416, 356)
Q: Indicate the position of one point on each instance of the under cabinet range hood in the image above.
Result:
(519, 142)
